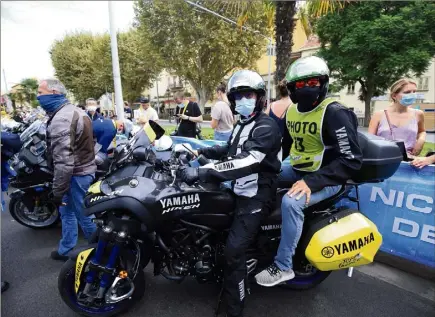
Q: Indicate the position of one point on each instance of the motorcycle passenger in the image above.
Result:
(250, 159)
(70, 149)
(321, 138)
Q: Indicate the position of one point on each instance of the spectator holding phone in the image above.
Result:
(188, 115)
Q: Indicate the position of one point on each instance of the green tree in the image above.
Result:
(198, 46)
(376, 43)
(83, 63)
(280, 17)
(25, 92)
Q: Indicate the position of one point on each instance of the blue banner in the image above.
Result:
(402, 207)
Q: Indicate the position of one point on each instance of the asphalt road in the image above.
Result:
(33, 292)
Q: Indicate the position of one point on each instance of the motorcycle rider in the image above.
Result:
(321, 138)
(250, 159)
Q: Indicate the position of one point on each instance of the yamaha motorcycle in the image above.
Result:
(30, 204)
(145, 213)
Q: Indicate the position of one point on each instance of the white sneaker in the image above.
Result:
(273, 275)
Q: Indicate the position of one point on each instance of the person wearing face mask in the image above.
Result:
(91, 108)
(321, 138)
(399, 121)
(188, 116)
(70, 153)
(250, 160)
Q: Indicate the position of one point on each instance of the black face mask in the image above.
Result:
(306, 97)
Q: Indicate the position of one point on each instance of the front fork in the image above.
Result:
(95, 263)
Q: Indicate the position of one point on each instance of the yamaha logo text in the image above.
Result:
(270, 227)
(225, 166)
(353, 245)
(180, 203)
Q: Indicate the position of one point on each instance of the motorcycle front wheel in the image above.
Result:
(66, 282)
(47, 216)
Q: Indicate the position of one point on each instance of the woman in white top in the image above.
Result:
(222, 118)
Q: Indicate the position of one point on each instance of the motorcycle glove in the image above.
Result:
(57, 201)
(190, 175)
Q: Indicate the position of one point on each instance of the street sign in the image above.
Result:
(271, 50)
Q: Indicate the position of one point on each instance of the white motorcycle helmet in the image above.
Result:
(163, 144)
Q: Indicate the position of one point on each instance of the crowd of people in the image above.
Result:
(304, 125)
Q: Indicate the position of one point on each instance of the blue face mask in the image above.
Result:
(245, 107)
(51, 102)
(408, 99)
(180, 105)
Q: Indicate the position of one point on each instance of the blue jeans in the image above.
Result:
(293, 221)
(222, 136)
(73, 212)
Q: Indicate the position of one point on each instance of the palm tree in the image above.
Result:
(282, 22)
(25, 92)
(29, 88)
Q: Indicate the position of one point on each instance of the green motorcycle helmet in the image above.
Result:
(305, 68)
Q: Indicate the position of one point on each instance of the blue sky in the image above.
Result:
(28, 29)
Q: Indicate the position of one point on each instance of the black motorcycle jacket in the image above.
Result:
(250, 159)
(343, 155)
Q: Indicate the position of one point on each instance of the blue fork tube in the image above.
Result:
(110, 265)
(96, 260)
(102, 243)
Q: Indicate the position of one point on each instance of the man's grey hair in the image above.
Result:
(56, 85)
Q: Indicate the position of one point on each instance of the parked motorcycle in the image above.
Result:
(145, 213)
(30, 204)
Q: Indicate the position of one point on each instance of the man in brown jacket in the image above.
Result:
(71, 155)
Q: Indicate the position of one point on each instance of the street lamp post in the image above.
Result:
(119, 101)
(269, 39)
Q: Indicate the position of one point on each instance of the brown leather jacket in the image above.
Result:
(70, 146)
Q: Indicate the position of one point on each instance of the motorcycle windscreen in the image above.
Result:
(351, 240)
(148, 134)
